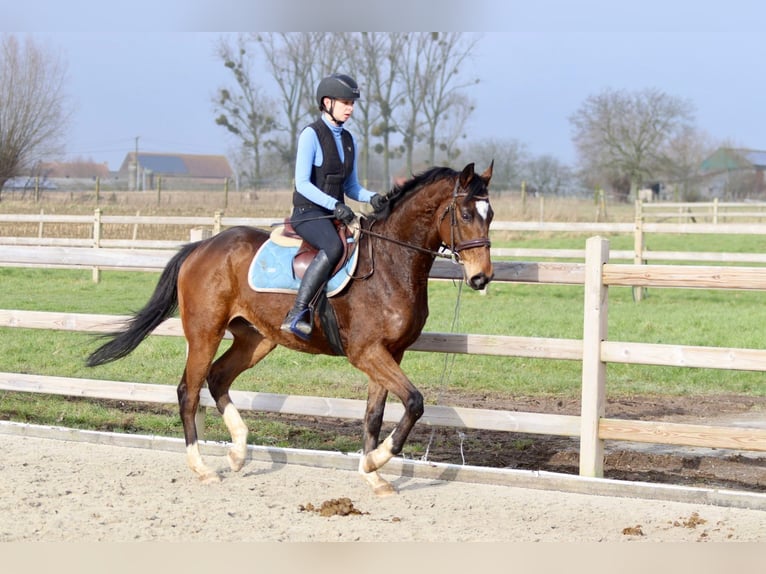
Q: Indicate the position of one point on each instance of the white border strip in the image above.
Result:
(539, 480)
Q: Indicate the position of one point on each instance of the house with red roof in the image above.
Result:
(174, 170)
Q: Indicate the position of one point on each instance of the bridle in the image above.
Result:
(455, 247)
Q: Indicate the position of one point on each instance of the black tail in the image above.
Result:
(161, 305)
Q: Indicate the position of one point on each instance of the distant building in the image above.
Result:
(79, 174)
(735, 172)
(178, 171)
(73, 169)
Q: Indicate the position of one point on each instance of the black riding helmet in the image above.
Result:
(337, 87)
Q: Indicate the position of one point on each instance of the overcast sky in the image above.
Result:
(148, 69)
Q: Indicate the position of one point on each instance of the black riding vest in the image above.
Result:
(329, 176)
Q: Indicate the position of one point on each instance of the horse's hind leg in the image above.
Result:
(200, 354)
(248, 348)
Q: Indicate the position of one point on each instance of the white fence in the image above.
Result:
(597, 274)
(696, 212)
(639, 228)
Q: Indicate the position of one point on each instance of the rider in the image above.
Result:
(325, 171)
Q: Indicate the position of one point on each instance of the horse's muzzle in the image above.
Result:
(479, 281)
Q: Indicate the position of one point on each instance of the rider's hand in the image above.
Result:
(377, 201)
(344, 213)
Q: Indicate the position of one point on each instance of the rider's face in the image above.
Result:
(342, 109)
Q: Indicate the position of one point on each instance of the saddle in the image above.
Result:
(285, 236)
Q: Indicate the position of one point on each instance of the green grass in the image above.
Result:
(671, 316)
(621, 242)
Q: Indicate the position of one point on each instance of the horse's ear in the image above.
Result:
(487, 175)
(466, 175)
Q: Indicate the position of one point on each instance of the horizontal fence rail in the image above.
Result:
(596, 275)
(470, 418)
(197, 227)
(713, 211)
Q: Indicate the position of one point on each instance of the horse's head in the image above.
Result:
(460, 203)
(464, 225)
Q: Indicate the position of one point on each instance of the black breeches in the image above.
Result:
(313, 225)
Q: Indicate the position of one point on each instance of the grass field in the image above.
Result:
(694, 317)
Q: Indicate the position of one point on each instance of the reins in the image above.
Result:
(372, 233)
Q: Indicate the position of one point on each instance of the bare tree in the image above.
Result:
(443, 82)
(297, 61)
(452, 128)
(381, 71)
(409, 119)
(244, 110)
(411, 86)
(510, 157)
(626, 134)
(33, 105)
(547, 175)
(355, 64)
(683, 157)
(290, 60)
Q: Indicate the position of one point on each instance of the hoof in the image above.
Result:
(236, 462)
(384, 490)
(380, 486)
(210, 478)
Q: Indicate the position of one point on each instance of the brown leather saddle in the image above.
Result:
(286, 236)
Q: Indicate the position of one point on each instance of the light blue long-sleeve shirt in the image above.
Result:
(309, 155)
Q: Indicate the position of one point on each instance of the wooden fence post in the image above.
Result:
(217, 222)
(600, 205)
(96, 241)
(135, 226)
(199, 422)
(638, 246)
(593, 368)
(523, 199)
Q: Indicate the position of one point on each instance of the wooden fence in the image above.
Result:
(594, 350)
(200, 226)
(697, 212)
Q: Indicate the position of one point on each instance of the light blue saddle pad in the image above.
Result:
(272, 270)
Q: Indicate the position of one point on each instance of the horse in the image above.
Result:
(438, 212)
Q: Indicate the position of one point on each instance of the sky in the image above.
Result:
(145, 72)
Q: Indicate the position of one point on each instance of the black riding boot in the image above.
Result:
(299, 320)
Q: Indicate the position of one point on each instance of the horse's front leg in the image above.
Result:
(385, 376)
(373, 420)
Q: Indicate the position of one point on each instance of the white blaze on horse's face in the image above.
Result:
(482, 208)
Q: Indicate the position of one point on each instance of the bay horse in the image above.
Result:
(379, 314)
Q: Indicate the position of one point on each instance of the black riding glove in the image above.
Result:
(377, 201)
(344, 213)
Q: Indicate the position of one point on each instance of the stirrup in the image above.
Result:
(297, 325)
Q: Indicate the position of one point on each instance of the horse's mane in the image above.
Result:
(403, 190)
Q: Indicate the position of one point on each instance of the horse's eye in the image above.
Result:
(466, 215)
